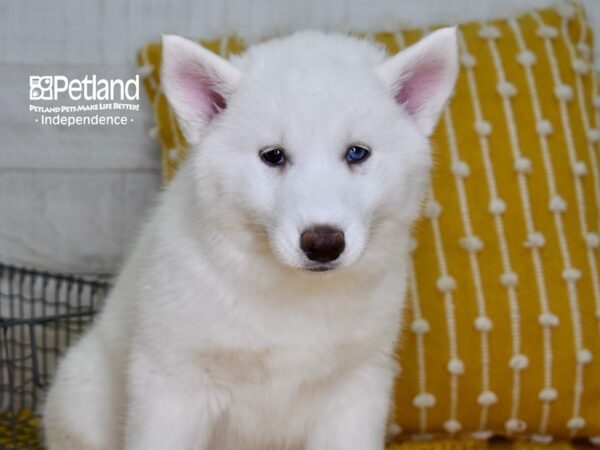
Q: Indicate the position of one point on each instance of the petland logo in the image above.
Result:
(83, 101)
(53, 87)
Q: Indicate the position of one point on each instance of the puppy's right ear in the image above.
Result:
(422, 77)
(197, 83)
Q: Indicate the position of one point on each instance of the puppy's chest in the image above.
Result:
(281, 365)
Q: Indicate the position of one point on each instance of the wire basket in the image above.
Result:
(41, 314)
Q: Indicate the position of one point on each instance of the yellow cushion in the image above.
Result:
(502, 334)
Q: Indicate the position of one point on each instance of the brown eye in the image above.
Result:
(273, 156)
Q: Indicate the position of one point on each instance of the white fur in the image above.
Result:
(215, 337)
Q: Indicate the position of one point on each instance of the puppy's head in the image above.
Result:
(315, 140)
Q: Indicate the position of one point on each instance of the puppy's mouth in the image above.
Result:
(320, 267)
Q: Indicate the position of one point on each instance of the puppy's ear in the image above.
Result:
(421, 78)
(197, 83)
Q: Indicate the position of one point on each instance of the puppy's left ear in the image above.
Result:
(197, 83)
(421, 78)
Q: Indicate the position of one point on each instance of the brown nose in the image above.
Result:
(322, 243)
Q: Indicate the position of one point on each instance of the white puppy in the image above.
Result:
(261, 305)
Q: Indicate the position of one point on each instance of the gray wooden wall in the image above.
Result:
(71, 199)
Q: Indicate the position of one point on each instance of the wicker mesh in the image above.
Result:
(40, 315)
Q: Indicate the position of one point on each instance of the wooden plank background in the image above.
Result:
(71, 199)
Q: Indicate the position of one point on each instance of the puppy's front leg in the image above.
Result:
(355, 416)
(168, 408)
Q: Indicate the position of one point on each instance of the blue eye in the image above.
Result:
(357, 154)
(273, 156)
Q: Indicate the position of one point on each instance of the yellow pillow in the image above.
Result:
(502, 334)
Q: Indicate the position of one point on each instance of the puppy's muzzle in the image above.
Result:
(322, 243)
